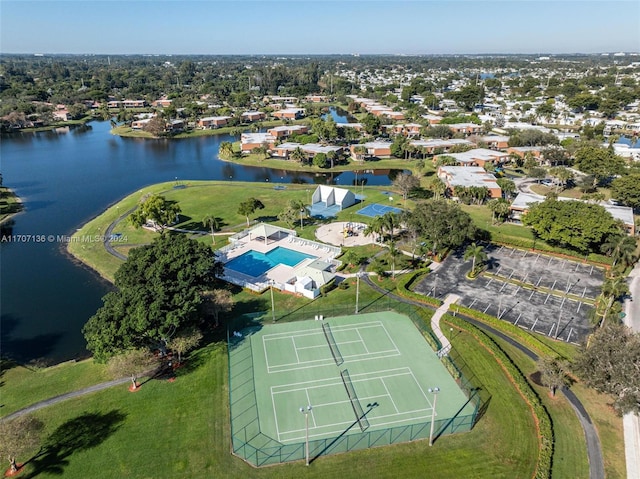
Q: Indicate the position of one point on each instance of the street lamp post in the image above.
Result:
(357, 290)
(435, 392)
(306, 411)
(273, 304)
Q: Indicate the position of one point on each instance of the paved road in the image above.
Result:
(594, 450)
(631, 422)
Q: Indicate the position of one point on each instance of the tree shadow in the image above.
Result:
(78, 434)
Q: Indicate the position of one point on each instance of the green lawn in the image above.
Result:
(198, 199)
(181, 429)
(23, 385)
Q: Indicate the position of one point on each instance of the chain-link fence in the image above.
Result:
(255, 447)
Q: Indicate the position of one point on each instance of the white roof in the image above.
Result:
(309, 147)
(477, 154)
(256, 138)
(377, 144)
(213, 118)
(288, 128)
(469, 176)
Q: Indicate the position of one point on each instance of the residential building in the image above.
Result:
(468, 176)
(378, 149)
(251, 116)
(249, 141)
(478, 157)
(289, 113)
(285, 131)
(465, 128)
(283, 150)
(213, 122)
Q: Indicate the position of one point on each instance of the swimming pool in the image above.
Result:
(254, 263)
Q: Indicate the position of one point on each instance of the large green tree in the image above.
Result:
(158, 292)
(626, 189)
(599, 162)
(574, 224)
(610, 363)
(440, 224)
(157, 210)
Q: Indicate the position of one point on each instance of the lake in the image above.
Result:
(65, 178)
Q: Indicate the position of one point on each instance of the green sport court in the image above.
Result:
(366, 378)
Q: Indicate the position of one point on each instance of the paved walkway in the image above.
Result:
(64, 397)
(445, 345)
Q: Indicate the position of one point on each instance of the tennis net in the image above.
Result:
(355, 402)
(335, 352)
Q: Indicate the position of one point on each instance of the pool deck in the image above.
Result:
(281, 273)
(333, 233)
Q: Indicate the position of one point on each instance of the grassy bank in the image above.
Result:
(10, 204)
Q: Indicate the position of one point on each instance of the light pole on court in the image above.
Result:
(357, 289)
(435, 392)
(306, 411)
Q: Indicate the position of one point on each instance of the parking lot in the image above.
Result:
(545, 294)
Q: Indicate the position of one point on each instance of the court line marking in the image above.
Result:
(313, 332)
(390, 396)
(309, 403)
(295, 349)
(332, 381)
(362, 340)
(324, 362)
(275, 416)
(328, 361)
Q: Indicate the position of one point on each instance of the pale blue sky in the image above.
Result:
(318, 27)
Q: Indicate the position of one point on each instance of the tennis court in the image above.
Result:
(360, 374)
(376, 209)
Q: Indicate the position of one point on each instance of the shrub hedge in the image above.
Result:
(405, 283)
(522, 335)
(540, 413)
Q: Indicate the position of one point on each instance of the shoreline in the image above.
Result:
(17, 200)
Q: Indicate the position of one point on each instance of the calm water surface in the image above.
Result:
(67, 177)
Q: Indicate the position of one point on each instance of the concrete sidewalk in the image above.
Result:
(435, 321)
(631, 422)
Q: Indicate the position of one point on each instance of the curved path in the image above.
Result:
(594, 451)
(64, 397)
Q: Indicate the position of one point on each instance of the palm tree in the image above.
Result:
(613, 288)
(376, 227)
(213, 223)
(437, 187)
(331, 156)
(226, 149)
(298, 155)
(499, 208)
(621, 248)
(393, 252)
(477, 254)
(359, 151)
(390, 222)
